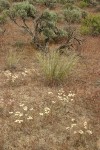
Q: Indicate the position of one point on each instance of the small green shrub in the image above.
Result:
(91, 25)
(66, 1)
(22, 10)
(72, 15)
(4, 4)
(50, 3)
(56, 67)
(12, 59)
(83, 4)
(2, 19)
(85, 30)
(18, 44)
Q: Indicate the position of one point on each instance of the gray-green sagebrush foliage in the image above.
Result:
(45, 27)
(4, 4)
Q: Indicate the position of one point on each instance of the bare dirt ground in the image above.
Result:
(50, 119)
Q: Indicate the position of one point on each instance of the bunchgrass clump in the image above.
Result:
(56, 67)
(12, 59)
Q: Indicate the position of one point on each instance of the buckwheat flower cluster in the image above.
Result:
(19, 121)
(77, 128)
(26, 72)
(24, 114)
(63, 97)
(14, 77)
(46, 111)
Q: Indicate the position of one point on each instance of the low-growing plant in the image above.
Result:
(90, 2)
(83, 4)
(91, 25)
(12, 59)
(2, 19)
(72, 15)
(66, 1)
(55, 66)
(18, 44)
(4, 4)
(50, 3)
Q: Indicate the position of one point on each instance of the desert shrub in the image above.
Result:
(85, 30)
(72, 15)
(66, 1)
(83, 4)
(45, 25)
(50, 3)
(17, 0)
(56, 67)
(2, 19)
(36, 1)
(22, 10)
(4, 4)
(91, 25)
(90, 2)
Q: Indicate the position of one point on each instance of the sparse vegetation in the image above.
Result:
(91, 25)
(12, 59)
(56, 67)
(49, 75)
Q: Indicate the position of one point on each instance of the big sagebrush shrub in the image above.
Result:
(4, 4)
(72, 15)
(44, 28)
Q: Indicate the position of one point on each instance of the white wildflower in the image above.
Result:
(71, 94)
(53, 102)
(21, 114)
(61, 90)
(41, 114)
(24, 74)
(10, 112)
(80, 131)
(16, 114)
(64, 99)
(47, 110)
(21, 105)
(29, 118)
(67, 128)
(19, 121)
(25, 108)
(50, 93)
(73, 125)
(7, 73)
(71, 99)
(31, 108)
(60, 97)
(59, 93)
(72, 119)
(89, 132)
(85, 125)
